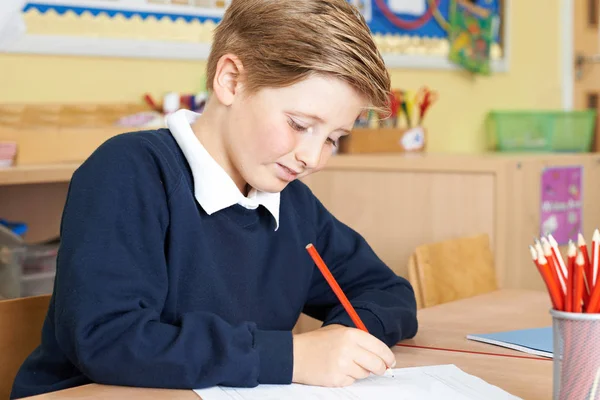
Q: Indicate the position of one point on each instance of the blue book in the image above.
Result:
(536, 341)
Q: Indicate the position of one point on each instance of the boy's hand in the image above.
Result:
(337, 356)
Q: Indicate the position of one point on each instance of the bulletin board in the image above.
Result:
(409, 33)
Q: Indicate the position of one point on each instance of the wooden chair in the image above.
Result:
(21, 323)
(452, 270)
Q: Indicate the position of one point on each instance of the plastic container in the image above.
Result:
(542, 131)
(10, 272)
(576, 353)
(27, 270)
(37, 284)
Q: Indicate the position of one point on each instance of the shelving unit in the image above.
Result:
(36, 174)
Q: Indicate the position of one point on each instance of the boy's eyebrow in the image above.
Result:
(311, 116)
(319, 119)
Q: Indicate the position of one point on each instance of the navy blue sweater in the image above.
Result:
(153, 292)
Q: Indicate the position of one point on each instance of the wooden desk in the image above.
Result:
(447, 325)
(529, 379)
(442, 326)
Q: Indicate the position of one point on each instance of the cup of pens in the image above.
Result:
(574, 290)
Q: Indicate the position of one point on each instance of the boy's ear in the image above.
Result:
(227, 81)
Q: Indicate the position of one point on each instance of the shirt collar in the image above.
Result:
(213, 187)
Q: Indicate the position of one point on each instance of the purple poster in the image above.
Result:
(561, 212)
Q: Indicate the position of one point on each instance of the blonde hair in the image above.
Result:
(282, 42)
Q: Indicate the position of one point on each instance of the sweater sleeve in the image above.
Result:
(384, 301)
(112, 283)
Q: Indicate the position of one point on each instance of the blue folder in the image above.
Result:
(536, 341)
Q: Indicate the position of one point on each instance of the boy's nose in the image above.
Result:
(309, 155)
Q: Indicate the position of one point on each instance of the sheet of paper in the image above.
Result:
(12, 25)
(446, 382)
(410, 7)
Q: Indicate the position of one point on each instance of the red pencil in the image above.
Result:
(587, 269)
(553, 287)
(546, 277)
(577, 283)
(553, 264)
(557, 256)
(571, 254)
(594, 261)
(335, 287)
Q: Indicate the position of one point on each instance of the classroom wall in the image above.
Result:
(455, 123)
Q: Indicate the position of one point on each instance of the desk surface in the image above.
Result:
(446, 326)
(443, 326)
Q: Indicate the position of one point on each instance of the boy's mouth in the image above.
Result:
(285, 173)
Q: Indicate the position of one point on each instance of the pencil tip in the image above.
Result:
(533, 252)
(309, 245)
(572, 250)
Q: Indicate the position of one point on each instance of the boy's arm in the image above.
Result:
(384, 301)
(113, 282)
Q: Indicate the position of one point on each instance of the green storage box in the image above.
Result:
(555, 131)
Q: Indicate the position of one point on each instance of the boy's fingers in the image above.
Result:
(371, 362)
(358, 372)
(376, 346)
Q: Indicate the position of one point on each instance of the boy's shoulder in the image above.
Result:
(299, 195)
(297, 191)
(132, 149)
(156, 140)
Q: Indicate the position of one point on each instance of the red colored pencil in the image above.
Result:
(335, 287)
(569, 296)
(546, 278)
(577, 283)
(553, 287)
(587, 269)
(594, 261)
(555, 269)
(557, 256)
(594, 302)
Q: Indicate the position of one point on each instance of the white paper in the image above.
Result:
(410, 7)
(12, 25)
(446, 382)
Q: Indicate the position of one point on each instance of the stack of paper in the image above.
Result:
(446, 382)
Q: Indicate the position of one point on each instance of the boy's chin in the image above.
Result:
(273, 185)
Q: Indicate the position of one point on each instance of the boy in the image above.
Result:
(183, 262)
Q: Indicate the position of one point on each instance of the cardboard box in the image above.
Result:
(384, 140)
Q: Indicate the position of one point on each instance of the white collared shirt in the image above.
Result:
(213, 187)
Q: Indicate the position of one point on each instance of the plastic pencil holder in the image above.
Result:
(576, 353)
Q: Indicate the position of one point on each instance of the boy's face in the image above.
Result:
(277, 135)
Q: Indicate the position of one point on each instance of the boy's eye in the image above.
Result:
(333, 142)
(296, 126)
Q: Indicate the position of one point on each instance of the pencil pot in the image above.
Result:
(576, 353)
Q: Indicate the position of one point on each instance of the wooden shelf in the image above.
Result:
(32, 174)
